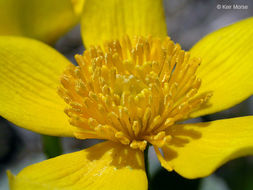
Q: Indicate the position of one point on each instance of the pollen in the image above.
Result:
(131, 91)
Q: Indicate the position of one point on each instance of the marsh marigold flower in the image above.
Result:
(133, 87)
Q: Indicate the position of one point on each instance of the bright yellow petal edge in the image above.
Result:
(226, 68)
(197, 150)
(107, 165)
(29, 77)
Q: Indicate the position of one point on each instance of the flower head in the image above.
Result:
(130, 91)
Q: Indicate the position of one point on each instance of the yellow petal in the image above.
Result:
(78, 6)
(106, 166)
(112, 19)
(227, 67)
(45, 20)
(29, 76)
(197, 150)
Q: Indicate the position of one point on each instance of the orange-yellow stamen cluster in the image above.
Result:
(131, 91)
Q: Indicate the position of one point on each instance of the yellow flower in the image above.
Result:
(131, 91)
(45, 20)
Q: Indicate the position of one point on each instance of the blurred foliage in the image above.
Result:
(213, 182)
(164, 180)
(10, 143)
(238, 174)
(51, 146)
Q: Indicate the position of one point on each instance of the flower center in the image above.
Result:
(131, 91)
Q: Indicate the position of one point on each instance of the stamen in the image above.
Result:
(132, 91)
